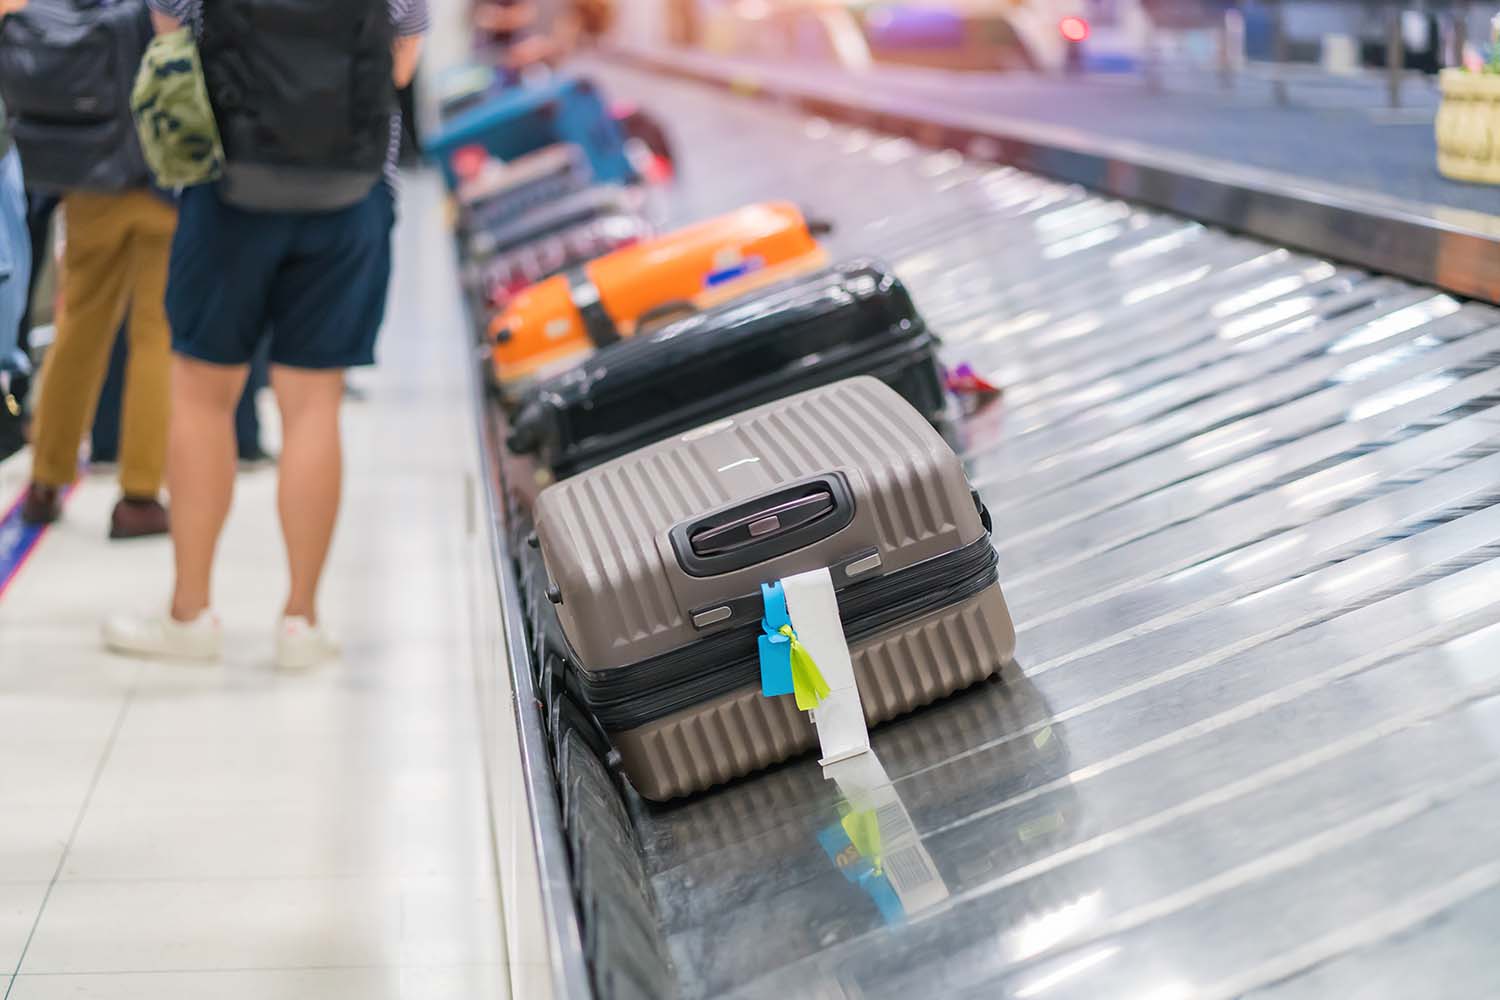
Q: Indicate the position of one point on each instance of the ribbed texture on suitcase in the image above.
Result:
(848, 425)
(613, 577)
(744, 732)
(602, 516)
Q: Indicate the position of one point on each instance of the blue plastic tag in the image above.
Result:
(776, 615)
(776, 666)
(775, 648)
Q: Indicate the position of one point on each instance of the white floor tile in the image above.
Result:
(32, 839)
(53, 579)
(311, 734)
(48, 657)
(49, 774)
(460, 982)
(20, 902)
(264, 708)
(469, 982)
(406, 661)
(263, 924)
(31, 718)
(332, 825)
(413, 772)
(300, 984)
(311, 838)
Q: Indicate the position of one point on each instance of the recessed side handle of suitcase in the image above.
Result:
(789, 518)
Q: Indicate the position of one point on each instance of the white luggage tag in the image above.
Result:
(813, 611)
(804, 652)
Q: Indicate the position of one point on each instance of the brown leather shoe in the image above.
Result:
(43, 504)
(137, 518)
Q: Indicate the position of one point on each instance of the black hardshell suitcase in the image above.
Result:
(855, 319)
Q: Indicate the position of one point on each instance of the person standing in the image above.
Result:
(15, 268)
(118, 237)
(292, 244)
(104, 441)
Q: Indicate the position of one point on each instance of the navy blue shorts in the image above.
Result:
(314, 283)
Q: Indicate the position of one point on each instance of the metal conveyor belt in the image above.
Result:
(1247, 508)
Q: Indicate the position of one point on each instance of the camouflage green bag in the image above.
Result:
(173, 115)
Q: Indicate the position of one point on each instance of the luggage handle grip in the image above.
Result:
(764, 523)
(791, 517)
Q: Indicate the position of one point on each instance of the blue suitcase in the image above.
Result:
(521, 120)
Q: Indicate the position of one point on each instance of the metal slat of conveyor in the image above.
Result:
(1247, 506)
(1424, 243)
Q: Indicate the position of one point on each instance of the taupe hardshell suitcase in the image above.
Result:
(655, 562)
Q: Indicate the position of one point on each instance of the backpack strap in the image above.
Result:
(596, 320)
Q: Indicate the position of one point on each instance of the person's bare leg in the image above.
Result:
(311, 470)
(201, 465)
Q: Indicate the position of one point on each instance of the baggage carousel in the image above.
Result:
(1247, 509)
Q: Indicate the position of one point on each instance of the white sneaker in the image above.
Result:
(162, 637)
(301, 645)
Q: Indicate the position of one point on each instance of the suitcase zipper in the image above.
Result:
(626, 697)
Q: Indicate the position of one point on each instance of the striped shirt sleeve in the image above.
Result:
(185, 11)
(409, 17)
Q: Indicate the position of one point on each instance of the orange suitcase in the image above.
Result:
(555, 323)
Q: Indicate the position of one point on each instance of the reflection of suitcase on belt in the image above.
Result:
(778, 813)
(657, 577)
(555, 323)
(505, 191)
(856, 319)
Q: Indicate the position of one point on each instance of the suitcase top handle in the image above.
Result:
(745, 530)
(752, 531)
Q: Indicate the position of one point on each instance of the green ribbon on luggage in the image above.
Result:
(808, 683)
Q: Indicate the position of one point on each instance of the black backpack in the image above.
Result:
(303, 96)
(66, 69)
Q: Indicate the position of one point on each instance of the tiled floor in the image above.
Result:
(227, 832)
